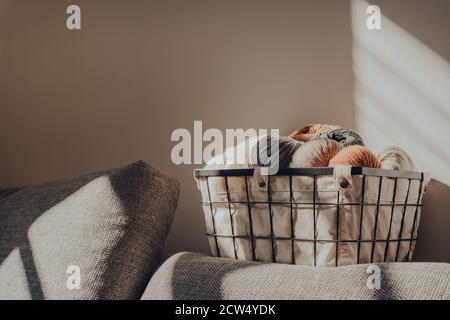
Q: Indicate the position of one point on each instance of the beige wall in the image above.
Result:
(78, 101)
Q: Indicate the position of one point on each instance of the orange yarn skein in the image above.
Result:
(355, 156)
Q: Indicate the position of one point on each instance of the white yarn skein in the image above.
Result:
(395, 158)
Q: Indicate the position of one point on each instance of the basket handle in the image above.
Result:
(343, 177)
(261, 171)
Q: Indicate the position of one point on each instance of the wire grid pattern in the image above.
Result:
(314, 173)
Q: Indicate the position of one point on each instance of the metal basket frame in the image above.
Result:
(314, 173)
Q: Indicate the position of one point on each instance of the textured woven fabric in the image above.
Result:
(111, 225)
(194, 276)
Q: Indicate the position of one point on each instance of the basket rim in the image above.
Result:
(311, 172)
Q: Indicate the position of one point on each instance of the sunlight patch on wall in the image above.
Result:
(402, 93)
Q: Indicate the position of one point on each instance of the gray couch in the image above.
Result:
(100, 236)
(187, 276)
(97, 236)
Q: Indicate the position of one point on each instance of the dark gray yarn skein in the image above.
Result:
(286, 149)
(345, 137)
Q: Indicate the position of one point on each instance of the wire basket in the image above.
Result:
(312, 216)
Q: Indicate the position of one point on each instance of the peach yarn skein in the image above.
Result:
(310, 131)
(356, 156)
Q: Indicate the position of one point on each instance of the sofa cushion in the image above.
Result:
(104, 229)
(187, 276)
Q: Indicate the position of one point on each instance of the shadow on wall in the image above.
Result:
(434, 226)
(402, 97)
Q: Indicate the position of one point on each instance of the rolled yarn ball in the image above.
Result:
(355, 156)
(315, 153)
(310, 131)
(262, 151)
(395, 158)
(345, 137)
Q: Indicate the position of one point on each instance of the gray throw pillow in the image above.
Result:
(101, 232)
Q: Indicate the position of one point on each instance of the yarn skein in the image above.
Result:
(345, 137)
(315, 153)
(395, 158)
(262, 151)
(235, 157)
(355, 156)
(310, 131)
